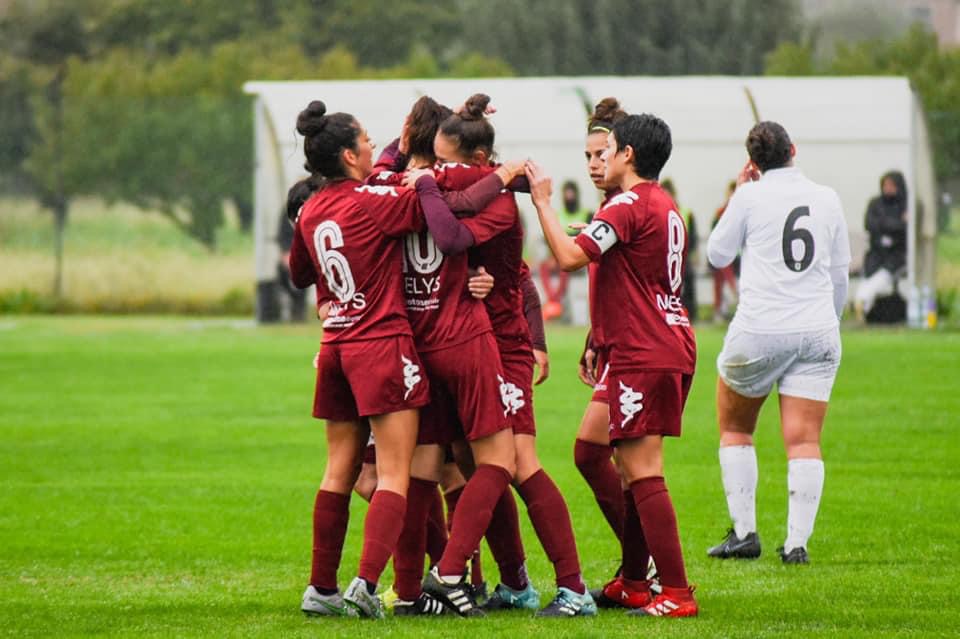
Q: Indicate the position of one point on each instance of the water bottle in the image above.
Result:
(913, 308)
(929, 308)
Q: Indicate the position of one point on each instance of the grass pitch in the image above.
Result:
(157, 479)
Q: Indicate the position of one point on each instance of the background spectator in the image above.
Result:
(555, 279)
(728, 274)
(886, 224)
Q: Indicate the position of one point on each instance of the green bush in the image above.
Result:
(236, 301)
(946, 302)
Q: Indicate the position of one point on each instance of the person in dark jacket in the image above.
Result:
(886, 224)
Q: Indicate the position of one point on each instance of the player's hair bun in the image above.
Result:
(475, 106)
(607, 110)
(311, 120)
(324, 136)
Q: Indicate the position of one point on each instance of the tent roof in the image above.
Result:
(861, 109)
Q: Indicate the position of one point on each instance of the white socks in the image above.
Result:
(738, 467)
(805, 485)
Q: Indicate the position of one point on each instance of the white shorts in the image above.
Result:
(801, 364)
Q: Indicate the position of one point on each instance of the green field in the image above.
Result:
(157, 478)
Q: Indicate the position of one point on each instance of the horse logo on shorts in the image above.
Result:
(630, 403)
(511, 396)
(411, 375)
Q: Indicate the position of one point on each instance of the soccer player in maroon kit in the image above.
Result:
(454, 339)
(349, 243)
(465, 144)
(592, 451)
(638, 241)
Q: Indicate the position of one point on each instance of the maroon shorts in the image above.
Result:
(370, 454)
(369, 377)
(603, 373)
(468, 377)
(517, 387)
(439, 422)
(647, 403)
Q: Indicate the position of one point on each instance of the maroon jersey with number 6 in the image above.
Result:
(639, 241)
(349, 241)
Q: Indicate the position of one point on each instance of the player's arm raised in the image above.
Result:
(569, 256)
(726, 239)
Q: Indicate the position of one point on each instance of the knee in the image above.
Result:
(586, 455)
(338, 483)
(734, 438)
(526, 468)
(509, 465)
(801, 445)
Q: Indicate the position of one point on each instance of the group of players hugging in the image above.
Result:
(428, 346)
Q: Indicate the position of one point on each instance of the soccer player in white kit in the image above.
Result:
(795, 254)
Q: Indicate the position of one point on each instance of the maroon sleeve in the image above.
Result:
(589, 247)
(450, 235)
(587, 345)
(302, 272)
(390, 158)
(395, 210)
(519, 184)
(475, 197)
(494, 219)
(531, 310)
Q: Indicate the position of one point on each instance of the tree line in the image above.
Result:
(141, 102)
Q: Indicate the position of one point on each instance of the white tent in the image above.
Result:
(848, 132)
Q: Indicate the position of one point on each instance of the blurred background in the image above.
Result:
(127, 155)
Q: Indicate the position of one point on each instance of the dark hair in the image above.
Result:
(899, 181)
(571, 184)
(298, 194)
(769, 146)
(324, 137)
(650, 138)
(471, 129)
(422, 124)
(604, 115)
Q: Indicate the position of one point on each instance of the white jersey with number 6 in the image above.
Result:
(790, 233)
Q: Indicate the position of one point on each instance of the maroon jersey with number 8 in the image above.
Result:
(639, 242)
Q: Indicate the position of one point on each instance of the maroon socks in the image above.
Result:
(472, 517)
(636, 556)
(452, 498)
(436, 528)
(659, 522)
(594, 463)
(381, 529)
(331, 512)
(411, 546)
(503, 537)
(551, 521)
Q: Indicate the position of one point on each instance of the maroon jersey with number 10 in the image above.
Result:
(639, 241)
